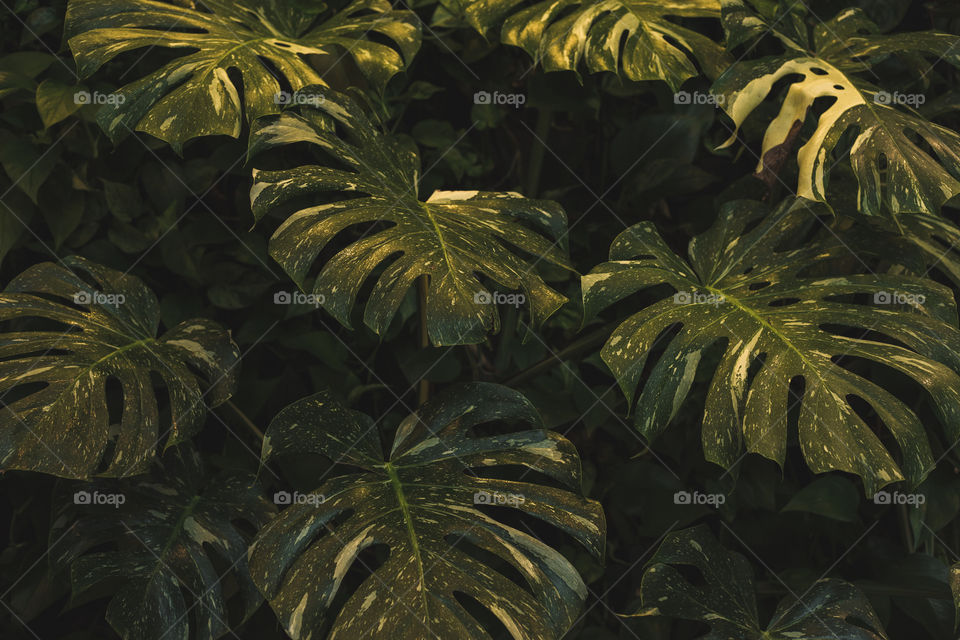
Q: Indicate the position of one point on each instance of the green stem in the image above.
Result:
(537, 151)
(244, 419)
(423, 392)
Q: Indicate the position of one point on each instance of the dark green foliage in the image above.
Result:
(593, 319)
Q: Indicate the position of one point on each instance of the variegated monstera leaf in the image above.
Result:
(264, 40)
(782, 314)
(887, 140)
(451, 238)
(54, 375)
(727, 600)
(422, 499)
(167, 548)
(637, 38)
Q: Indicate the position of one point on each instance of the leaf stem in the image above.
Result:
(423, 391)
(537, 151)
(244, 419)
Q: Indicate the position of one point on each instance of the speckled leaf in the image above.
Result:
(265, 40)
(419, 500)
(744, 21)
(54, 376)
(955, 590)
(936, 238)
(452, 237)
(894, 172)
(175, 545)
(727, 601)
(778, 323)
(637, 38)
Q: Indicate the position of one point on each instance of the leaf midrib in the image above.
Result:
(443, 247)
(767, 325)
(408, 521)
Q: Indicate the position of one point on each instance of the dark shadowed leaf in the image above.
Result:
(831, 496)
(175, 545)
(727, 602)
(419, 499)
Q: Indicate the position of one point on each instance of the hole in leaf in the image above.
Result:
(463, 541)
(490, 622)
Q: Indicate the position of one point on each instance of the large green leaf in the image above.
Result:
(632, 37)
(265, 40)
(782, 313)
(727, 602)
(936, 239)
(450, 238)
(420, 500)
(885, 140)
(54, 375)
(175, 546)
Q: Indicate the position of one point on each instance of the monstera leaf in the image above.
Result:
(266, 41)
(936, 238)
(727, 601)
(421, 499)
(782, 314)
(54, 376)
(174, 541)
(887, 141)
(636, 38)
(450, 238)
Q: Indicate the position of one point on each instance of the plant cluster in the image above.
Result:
(528, 319)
